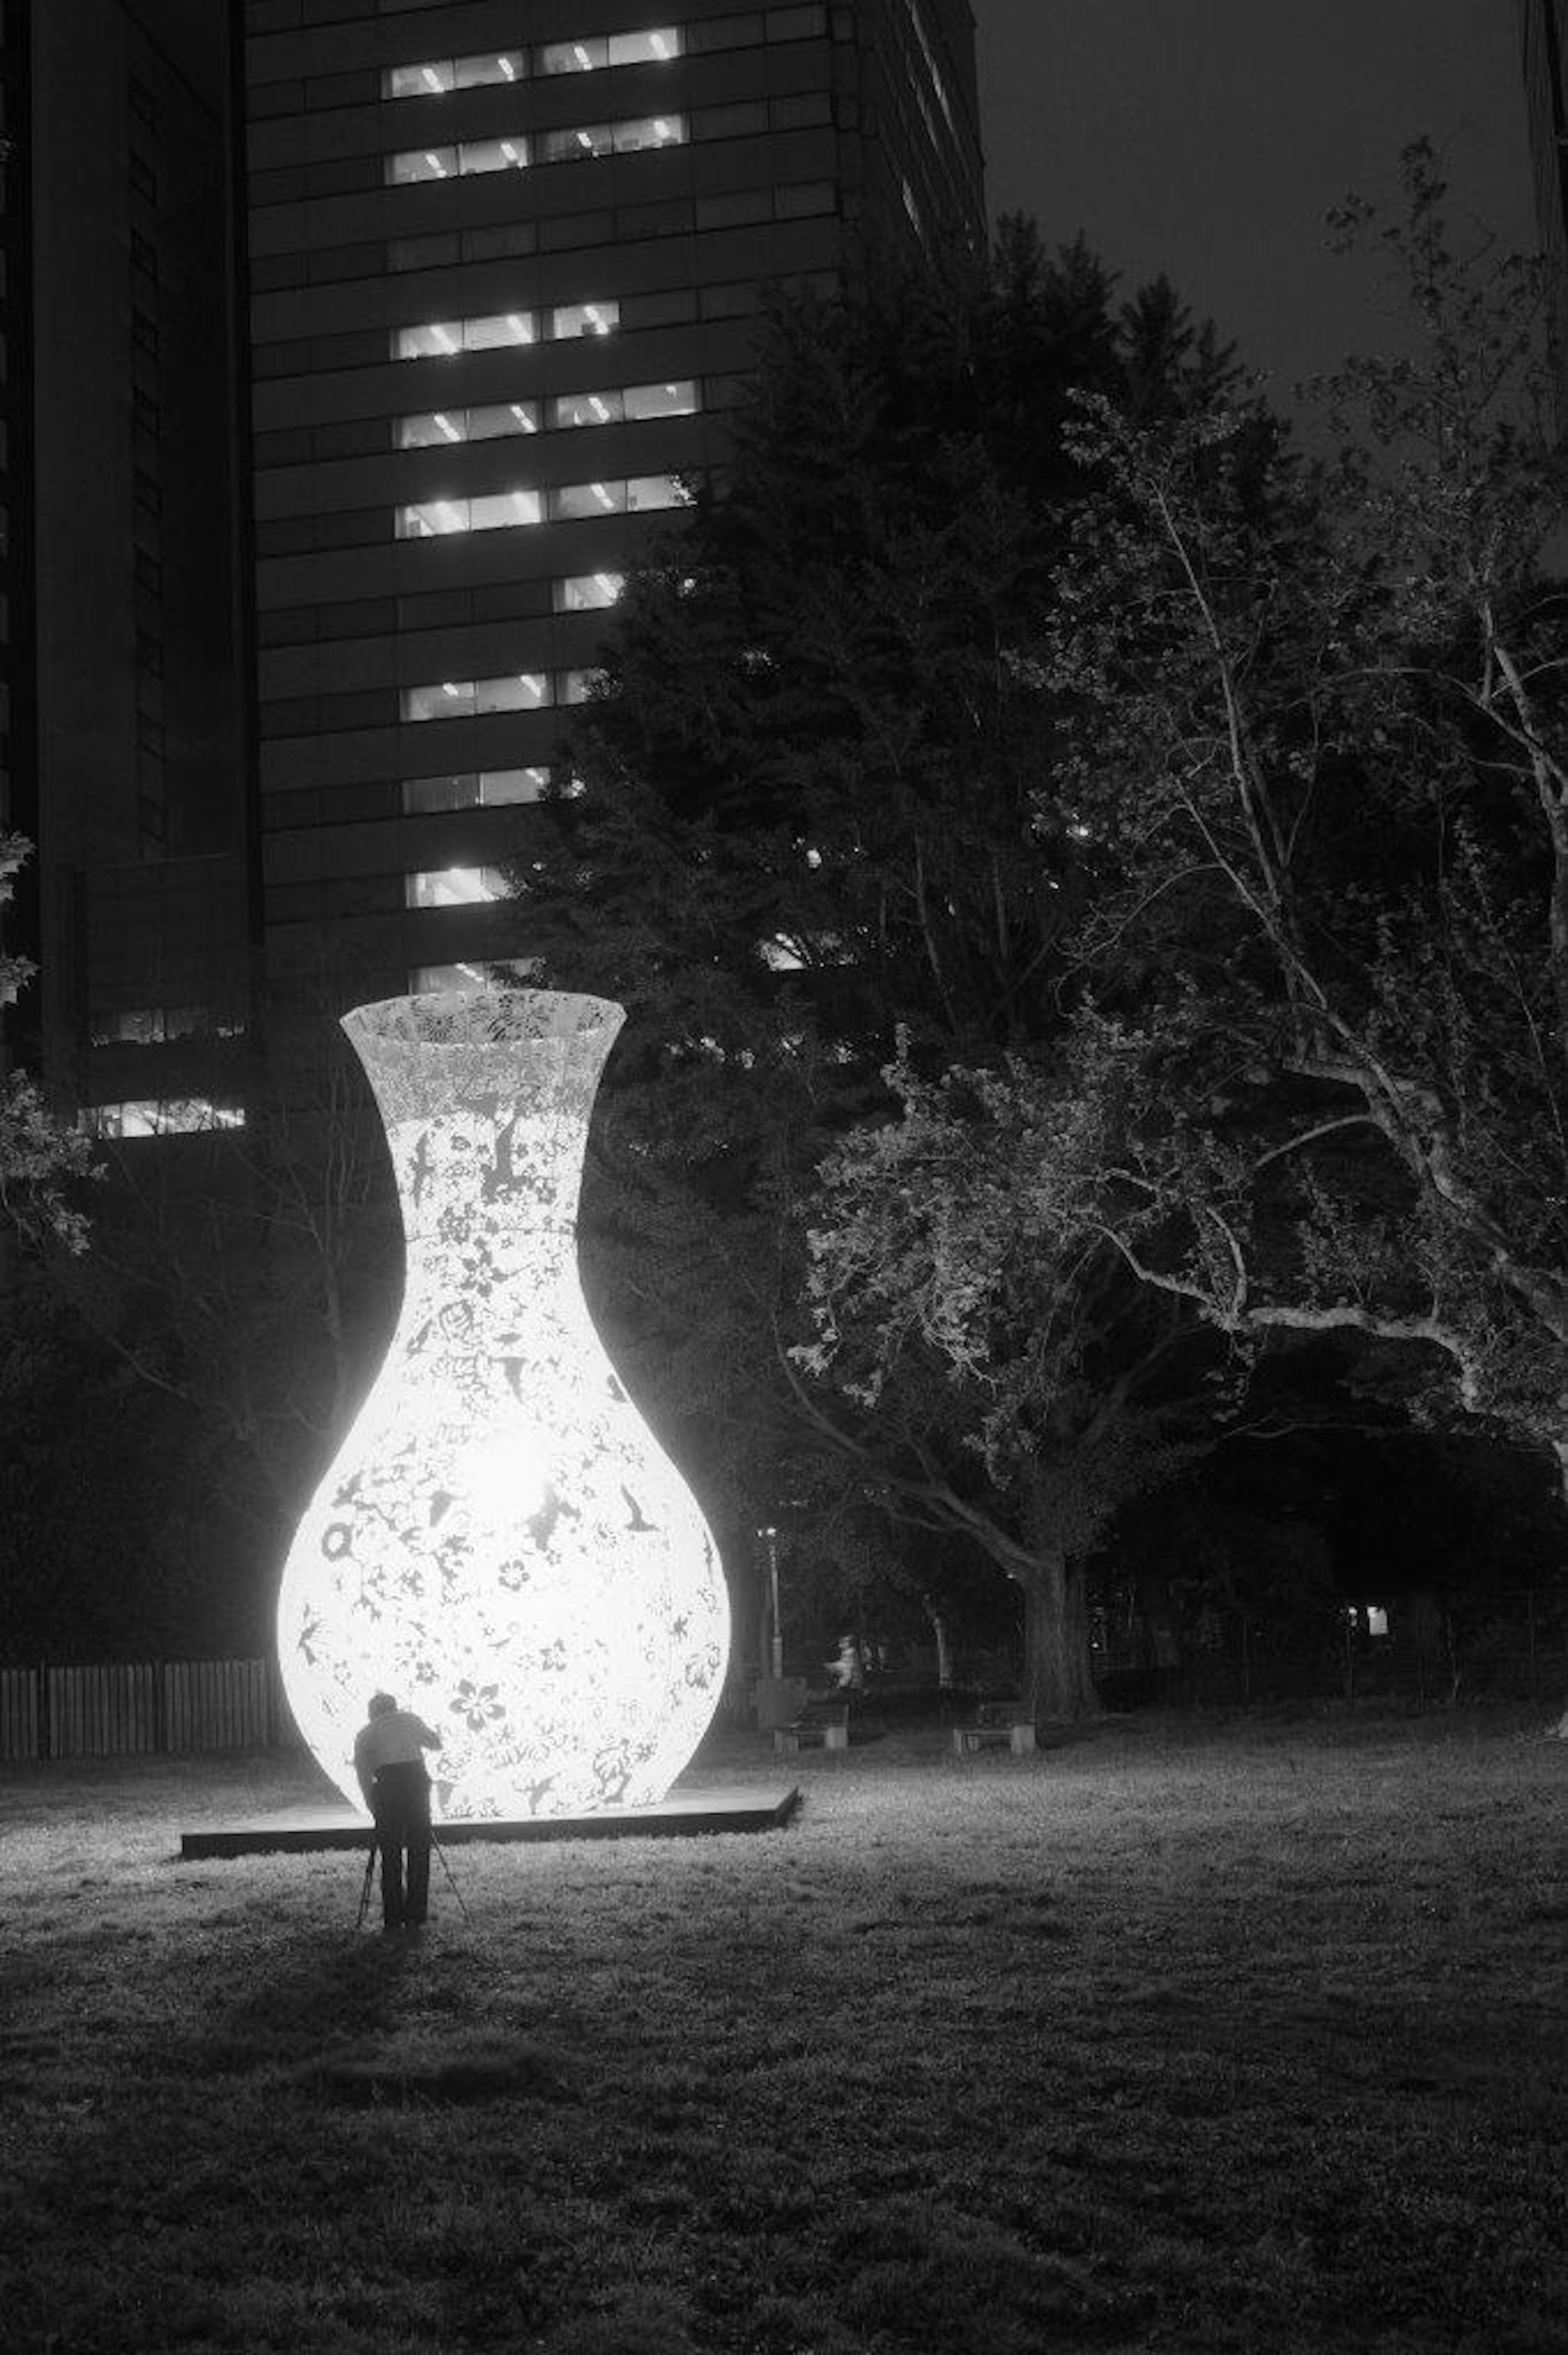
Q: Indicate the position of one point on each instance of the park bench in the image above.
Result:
(995, 1724)
(822, 1725)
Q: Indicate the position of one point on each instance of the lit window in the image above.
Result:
(146, 1026)
(645, 49)
(584, 319)
(437, 426)
(568, 146)
(645, 490)
(649, 131)
(440, 338)
(571, 502)
(492, 154)
(584, 592)
(497, 330)
(454, 887)
(495, 511)
(431, 519)
(478, 789)
(577, 686)
(417, 82)
(490, 66)
(425, 979)
(492, 423)
(574, 57)
(421, 163)
(675, 399)
(443, 74)
(587, 409)
(161, 1117)
(502, 510)
(653, 48)
(462, 699)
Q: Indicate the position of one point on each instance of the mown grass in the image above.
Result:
(1210, 2038)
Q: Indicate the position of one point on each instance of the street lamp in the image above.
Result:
(771, 1539)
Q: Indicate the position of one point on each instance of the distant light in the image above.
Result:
(507, 68)
(448, 428)
(434, 162)
(661, 46)
(432, 78)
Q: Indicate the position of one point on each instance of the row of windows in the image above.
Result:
(475, 789)
(657, 46)
(160, 1116)
(443, 74)
(472, 699)
(494, 330)
(425, 978)
(501, 420)
(454, 887)
(748, 119)
(155, 1026)
(565, 502)
(516, 154)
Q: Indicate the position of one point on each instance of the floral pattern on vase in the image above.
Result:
(499, 1541)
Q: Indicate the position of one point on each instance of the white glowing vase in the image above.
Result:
(499, 1542)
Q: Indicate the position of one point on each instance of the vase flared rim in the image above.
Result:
(483, 1018)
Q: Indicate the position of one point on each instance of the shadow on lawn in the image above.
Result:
(322, 1995)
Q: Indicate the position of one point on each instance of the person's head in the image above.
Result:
(382, 1704)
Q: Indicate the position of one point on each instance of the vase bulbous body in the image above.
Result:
(500, 1541)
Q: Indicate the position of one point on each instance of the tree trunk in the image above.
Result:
(1057, 1681)
(944, 1649)
(1561, 1452)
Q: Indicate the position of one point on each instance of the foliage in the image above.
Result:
(1320, 716)
(813, 819)
(38, 1153)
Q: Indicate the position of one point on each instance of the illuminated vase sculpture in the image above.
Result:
(499, 1542)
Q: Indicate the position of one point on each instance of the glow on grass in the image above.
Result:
(499, 1541)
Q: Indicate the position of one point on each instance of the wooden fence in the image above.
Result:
(141, 1707)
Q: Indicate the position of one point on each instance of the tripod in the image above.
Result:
(368, 1882)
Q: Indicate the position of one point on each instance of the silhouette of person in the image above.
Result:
(389, 1758)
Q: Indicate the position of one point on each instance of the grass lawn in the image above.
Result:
(1197, 2037)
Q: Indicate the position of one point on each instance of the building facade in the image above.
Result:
(506, 264)
(1543, 32)
(120, 757)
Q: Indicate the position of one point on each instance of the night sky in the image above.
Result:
(1209, 137)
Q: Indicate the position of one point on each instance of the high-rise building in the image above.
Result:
(1544, 26)
(121, 750)
(506, 264)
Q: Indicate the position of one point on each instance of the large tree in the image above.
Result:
(1321, 713)
(812, 817)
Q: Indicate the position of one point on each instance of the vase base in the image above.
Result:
(726, 1807)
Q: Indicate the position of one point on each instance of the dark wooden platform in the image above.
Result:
(685, 1814)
